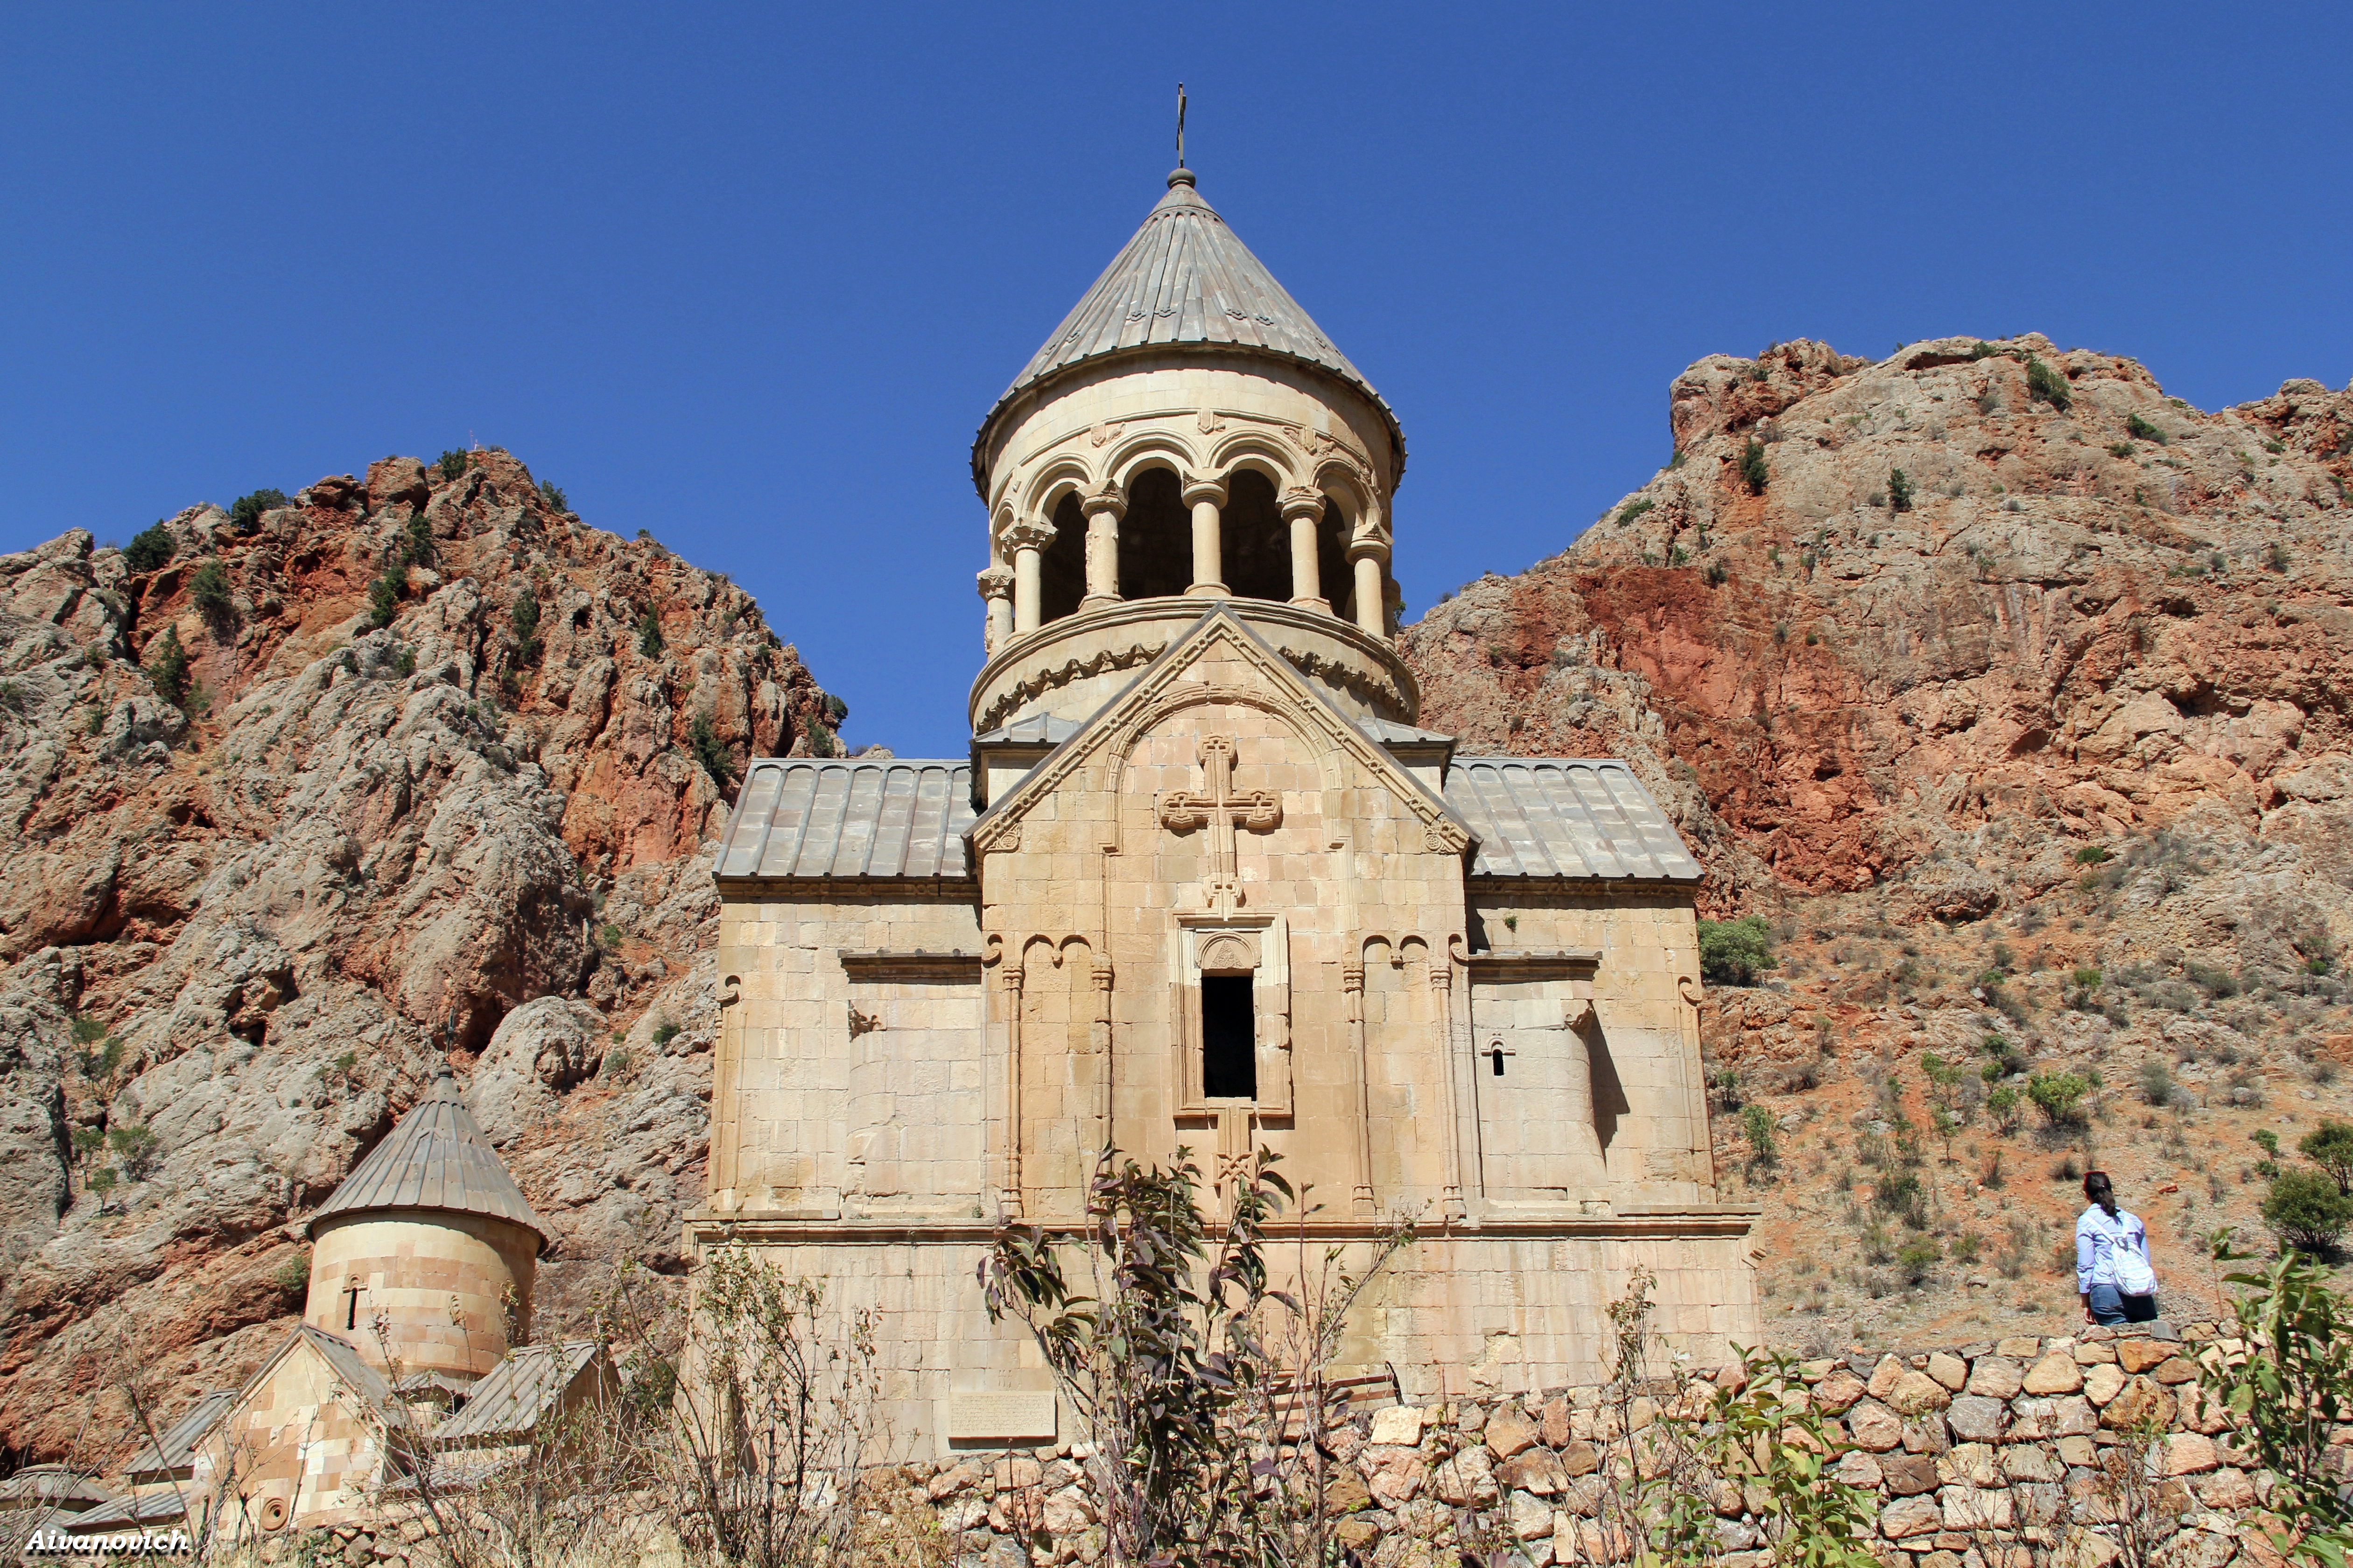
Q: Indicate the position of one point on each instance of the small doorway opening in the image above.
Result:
(1229, 1038)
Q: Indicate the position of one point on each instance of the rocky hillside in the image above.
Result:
(300, 798)
(2013, 694)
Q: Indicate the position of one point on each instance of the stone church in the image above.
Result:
(1202, 881)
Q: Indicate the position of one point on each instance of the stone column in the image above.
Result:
(1304, 510)
(996, 591)
(1027, 540)
(1352, 983)
(1099, 1041)
(1207, 499)
(1008, 1195)
(1370, 556)
(1104, 509)
(1451, 1054)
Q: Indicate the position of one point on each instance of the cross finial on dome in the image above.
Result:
(1180, 130)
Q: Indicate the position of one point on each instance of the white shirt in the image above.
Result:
(2097, 1239)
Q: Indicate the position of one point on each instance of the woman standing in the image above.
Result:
(2112, 1269)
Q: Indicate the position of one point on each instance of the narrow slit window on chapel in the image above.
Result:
(1229, 1038)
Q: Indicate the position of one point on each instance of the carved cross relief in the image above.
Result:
(1221, 810)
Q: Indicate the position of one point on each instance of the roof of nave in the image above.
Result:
(896, 819)
(436, 1159)
(1566, 816)
(1184, 279)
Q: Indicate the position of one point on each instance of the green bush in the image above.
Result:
(2330, 1147)
(1752, 467)
(2157, 1083)
(709, 750)
(416, 542)
(650, 637)
(453, 464)
(1715, 574)
(168, 668)
(1632, 510)
(1756, 1125)
(1917, 1256)
(2047, 385)
(2002, 1108)
(2059, 1096)
(208, 589)
(2141, 429)
(384, 597)
(1899, 490)
(134, 1149)
(665, 1035)
(1732, 952)
(552, 495)
(245, 515)
(2287, 1394)
(2305, 1211)
(150, 548)
(2090, 854)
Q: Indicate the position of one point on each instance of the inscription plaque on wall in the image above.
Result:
(1001, 1417)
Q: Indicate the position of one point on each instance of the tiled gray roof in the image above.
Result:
(155, 1507)
(175, 1448)
(436, 1159)
(1566, 816)
(507, 1405)
(903, 817)
(344, 1357)
(1186, 278)
(1388, 732)
(61, 1486)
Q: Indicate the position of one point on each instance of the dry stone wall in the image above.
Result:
(1975, 1454)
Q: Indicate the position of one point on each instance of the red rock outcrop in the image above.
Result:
(239, 930)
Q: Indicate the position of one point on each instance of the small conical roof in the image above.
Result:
(1185, 278)
(436, 1159)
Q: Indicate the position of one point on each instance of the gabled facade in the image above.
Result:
(1204, 884)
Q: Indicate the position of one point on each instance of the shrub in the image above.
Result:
(1899, 490)
(2120, 448)
(553, 496)
(665, 1035)
(416, 542)
(208, 589)
(2305, 1211)
(1714, 573)
(650, 637)
(527, 624)
(1756, 1126)
(1752, 467)
(168, 668)
(150, 548)
(1917, 1256)
(245, 515)
(2157, 1083)
(611, 936)
(383, 598)
(1632, 510)
(134, 1149)
(1732, 952)
(2090, 854)
(2140, 429)
(709, 750)
(2288, 1392)
(1901, 1194)
(2059, 1096)
(2047, 385)
(616, 1062)
(453, 463)
(2275, 557)
(2330, 1147)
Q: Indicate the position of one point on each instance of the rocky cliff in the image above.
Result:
(300, 798)
(2013, 693)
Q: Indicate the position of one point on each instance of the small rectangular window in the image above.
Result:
(1229, 1038)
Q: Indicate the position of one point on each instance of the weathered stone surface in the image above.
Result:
(2138, 1354)
(2030, 1462)
(2176, 1371)
(1995, 1376)
(1909, 1517)
(1837, 1391)
(1858, 1468)
(2102, 1384)
(1534, 1470)
(1395, 1476)
(1916, 1393)
(1530, 1517)
(1909, 1474)
(1873, 1427)
(1950, 1371)
(2226, 1488)
(1883, 1377)
(1466, 1480)
(2140, 1401)
(1509, 1430)
(1553, 1430)
(1580, 1458)
(1399, 1426)
(2054, 1373)
(2188, 1454)
(1976, 1418)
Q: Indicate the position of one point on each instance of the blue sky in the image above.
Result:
(750, 275)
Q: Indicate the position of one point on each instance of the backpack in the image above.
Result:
(2134, 1275)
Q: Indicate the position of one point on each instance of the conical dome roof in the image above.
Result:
(436, 1159)
(1185, 278)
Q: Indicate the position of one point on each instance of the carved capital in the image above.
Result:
(1369, 547)
(1197, 491)
(1032, 535)
(996, 583)
(1352, 978)
(1103, 974)
(1299, 503)
(1106, 499)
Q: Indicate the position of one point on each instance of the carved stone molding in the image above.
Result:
(995, 582)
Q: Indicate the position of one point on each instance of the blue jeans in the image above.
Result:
(2110, 1305)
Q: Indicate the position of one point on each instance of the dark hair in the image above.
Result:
(2100, 1191)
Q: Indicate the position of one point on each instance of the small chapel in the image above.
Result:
(1202, 881)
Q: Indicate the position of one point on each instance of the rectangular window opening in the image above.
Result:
(1229, 1038)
